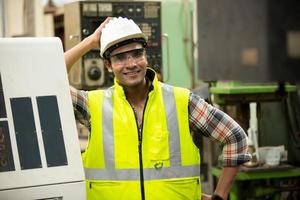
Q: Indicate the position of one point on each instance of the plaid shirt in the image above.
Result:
(204, 120)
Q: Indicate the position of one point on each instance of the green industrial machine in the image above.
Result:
(263, 184)
(253, 42)
(274, 128)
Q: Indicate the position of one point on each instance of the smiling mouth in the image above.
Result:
(131, 73)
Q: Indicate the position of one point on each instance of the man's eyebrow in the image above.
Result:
(127, 51)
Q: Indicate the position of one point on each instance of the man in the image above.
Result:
(141, 141)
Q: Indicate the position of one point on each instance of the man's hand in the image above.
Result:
(95, 37)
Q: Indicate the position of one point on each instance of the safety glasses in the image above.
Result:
(135, 54)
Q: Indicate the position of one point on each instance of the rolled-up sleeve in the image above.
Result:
(206, 120)
(81, 110)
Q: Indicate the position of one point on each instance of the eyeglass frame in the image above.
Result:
(123, 60)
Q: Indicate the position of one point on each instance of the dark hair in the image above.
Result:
(113, 47)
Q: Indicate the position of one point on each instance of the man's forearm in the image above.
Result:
(72, 55)
(225, 181)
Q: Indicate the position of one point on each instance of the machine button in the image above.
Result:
(94, 73)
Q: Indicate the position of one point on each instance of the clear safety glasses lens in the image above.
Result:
(135, 54)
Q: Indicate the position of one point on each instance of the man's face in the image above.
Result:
(129, 64)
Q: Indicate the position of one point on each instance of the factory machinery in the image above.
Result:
(253, 45)
(82, 18)
(249, 52)
(39, 148)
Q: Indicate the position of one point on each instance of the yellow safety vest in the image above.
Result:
(168, 160)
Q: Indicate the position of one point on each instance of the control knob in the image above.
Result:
(94, 73)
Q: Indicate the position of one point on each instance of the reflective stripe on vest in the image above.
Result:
(176, 170)
(149, 173)
(107, 125)
(172, 123)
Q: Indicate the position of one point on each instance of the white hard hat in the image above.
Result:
(117, 32)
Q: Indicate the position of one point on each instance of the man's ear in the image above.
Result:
(107, 64)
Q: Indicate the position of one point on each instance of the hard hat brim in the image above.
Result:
(139, 37)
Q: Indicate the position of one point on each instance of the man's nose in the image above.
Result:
(130, 60)
(129, 57)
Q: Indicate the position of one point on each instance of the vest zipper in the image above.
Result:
(141, 165)
(140, 139)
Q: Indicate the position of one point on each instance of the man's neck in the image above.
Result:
(138, 95)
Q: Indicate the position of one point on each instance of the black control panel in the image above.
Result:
(92, 13)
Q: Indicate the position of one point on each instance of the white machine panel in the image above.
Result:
(39, 145)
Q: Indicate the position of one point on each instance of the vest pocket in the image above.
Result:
(104, 190)
(112, 190)
(158, 147)
(174, 189)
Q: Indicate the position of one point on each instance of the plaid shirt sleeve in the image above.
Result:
(81, 110)
(211, 122)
